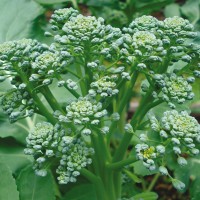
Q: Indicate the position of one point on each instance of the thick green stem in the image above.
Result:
(153, 182)
(121, 150)
(119, 165)
(82, 83)
(123, 103)
(51, 99)
(100, 159)
(127, 96)
(43, 110)
(125, 141)
(119, 155)
(99, 188)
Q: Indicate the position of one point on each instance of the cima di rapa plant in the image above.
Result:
(86, 133)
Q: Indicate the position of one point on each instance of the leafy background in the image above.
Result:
(29, 18)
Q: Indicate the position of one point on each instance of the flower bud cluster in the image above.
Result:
(80, 34)
(17, 104)
(149, 154)
(176, 132)
(42, 143)
(146, 154)
(143, 46)
(17, 57)
(47, 64)
(85, 112)
(153, 40)
(172, 27)
(177, 26)
(79, 28)
(21, 52)
(174, 88)
(60, 16)
(49, 143)
(105, 86)
(180, 130)
(143, 23)
(75, 157)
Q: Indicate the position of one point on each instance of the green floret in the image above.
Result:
(179, 134)
(42, 130)
(61, 16)
(46, 59)
(142, 38)
(81, 28)
(49, 143)
(175, 22)
(180, 124)
(40, 137)
(175, 88)
(83, 24)
(144, 23)
(77, 157)
(146, 154)
(43, 143)
(10, 47)
(181, 130)
(17, 104)
(20, 54)
(105, 86)
(7, 48)
(86, 30)
(84, 112)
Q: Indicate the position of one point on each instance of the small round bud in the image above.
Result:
(178, 184)
(86, 131)
(105, 130)
(182, 161)
(128, 128)
(163, 170)
(160, 149)
(115, 117)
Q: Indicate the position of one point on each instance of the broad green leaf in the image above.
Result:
(81, 192)
(8, 188)
(16, 18)
(34, 187)
(182, 174)
(195, 189)
(13, 130)
(176, 66)
(13, 156)
(101, 3)
(145, 196)
(190, 176)
(140, 169)
(191, 10)
(132, 176)
(51, 1)
(152, 5)
(160, 109)
(172, 10)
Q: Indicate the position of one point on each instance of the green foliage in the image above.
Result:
(81, 82)
(13, 156)
(145, 196)
(17, 24)
(172, 10)
(51, 1)
(29, 186)
(81, 192)
(8, 188)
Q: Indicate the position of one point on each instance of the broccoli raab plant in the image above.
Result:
(86, 134)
